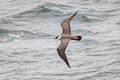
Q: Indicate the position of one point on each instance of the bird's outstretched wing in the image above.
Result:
(61, 50)
(66, 24)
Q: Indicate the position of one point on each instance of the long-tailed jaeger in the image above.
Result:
(65, 37)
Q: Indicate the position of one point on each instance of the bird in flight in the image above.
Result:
(65, 37)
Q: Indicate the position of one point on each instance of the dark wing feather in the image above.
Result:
(66, 24)
(61, 50)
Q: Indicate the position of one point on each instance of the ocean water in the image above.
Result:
(28, 50)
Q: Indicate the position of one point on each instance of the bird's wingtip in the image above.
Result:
(76, 11)
(69, 66)
(67, 63)
(74, 14)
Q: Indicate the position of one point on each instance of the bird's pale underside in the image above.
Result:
(65, 37)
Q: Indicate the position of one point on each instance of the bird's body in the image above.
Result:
(65, 37)
(60, 37)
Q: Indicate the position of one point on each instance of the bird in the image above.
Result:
(65, 38)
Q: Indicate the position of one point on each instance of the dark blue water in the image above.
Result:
(28, 50)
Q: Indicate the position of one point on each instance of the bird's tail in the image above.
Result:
(76, 38)
(79, 37)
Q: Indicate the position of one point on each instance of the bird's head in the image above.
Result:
(58, 37)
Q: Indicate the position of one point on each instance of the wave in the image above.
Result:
(48, 7)
(11, 35)
(48, 10)
(45, 10)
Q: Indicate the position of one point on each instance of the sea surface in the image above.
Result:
(28, 48)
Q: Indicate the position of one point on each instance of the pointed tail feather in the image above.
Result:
(79, 37)
(76, 38)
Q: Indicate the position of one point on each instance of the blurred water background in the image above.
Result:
(28, 50)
